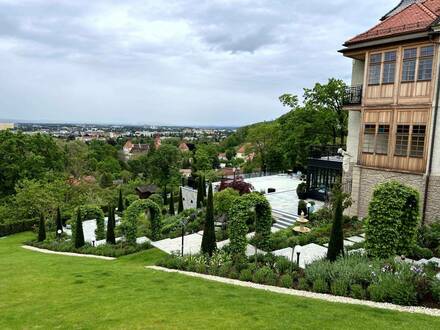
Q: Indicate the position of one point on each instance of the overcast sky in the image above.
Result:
(181, 62)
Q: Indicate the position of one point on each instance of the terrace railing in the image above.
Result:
(353, 95)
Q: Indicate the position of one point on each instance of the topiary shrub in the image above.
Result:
(208, 240)
(246, 275)
(302, 207)
(265, 275)
(393, 218)
(357, 292)
(91, 212)
(131, 215)
(41, 229)
(286, 281)
(320, 285)
(301, 190)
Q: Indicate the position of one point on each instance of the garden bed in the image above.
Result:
(355, 276)
(108, 250)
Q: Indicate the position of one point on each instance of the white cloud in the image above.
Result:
(176, 61)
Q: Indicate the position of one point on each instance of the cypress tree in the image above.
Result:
(58, 221)
(171, 209)
(208, 241)
(336, 244)
(120, 202)
(110, 238)
(180, 207)
(200, 195)
(41, 229)
(79, 234)
(203, 188)
(165, 198)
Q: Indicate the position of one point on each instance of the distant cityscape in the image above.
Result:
(89, 132)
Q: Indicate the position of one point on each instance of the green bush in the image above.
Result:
(377, 293)
(435, 290)
(357, 291)
(417, 252)
(286, 281)
(303, 284)
(339, 287)
(265, 275)
(283, 266)
(17, 227)
(393, 218)
(246, 275)
(320, 285)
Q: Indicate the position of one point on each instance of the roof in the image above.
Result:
(404, 19)
(402, 5)
(151, 188)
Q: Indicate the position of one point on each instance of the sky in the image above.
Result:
(173, 62)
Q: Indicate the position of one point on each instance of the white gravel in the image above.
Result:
(306, 294)
(70, 254)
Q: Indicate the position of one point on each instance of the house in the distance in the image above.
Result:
(393, 102)
(132, 150)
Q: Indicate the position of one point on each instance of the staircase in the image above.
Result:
(283, 220)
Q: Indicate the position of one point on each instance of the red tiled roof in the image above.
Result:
(415, 18)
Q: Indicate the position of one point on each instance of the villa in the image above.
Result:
(393, 106)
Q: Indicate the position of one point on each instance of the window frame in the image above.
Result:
(425, 57)
(364, 134)
(408, 60)
(389, 62)
(378, 65)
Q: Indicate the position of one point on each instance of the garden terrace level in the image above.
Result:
(392, 130)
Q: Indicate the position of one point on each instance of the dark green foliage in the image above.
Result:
(41, 229)
(131, 215)
(303, 284)
(286, 281)
(17, 227)
(418, 252)
(246, 275)
(203, 187)
(301, 190)
(58, 221)
(357, 291)
(320, 285)
(302, 207)
(265, 275)
(393, 218)
(79, 234)
(180, 207)
(106, 180)
(111, 223)
(208, 241)
(336, 244)
(339, 287)
(171, 208)
(200, 193)
(120, 202)
(165, 196)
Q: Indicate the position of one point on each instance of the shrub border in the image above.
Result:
(70, 254)
(305, 294)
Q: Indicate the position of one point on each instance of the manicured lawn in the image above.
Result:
(50, 291)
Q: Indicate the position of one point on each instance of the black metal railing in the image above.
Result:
(326, 151)
(353, 95)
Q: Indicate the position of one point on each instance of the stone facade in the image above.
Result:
(433, 200)
(365, 180)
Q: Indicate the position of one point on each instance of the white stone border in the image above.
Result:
(306, 294)
(70, 254)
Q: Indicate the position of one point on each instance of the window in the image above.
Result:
(382, 138)
(389, 68)
(374, 69)
(409, 64)
(425, 63)
(369, 137)
(418, 141)
(402, 139)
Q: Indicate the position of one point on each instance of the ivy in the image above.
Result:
(239, 213)
(131, 215)
(393, 219)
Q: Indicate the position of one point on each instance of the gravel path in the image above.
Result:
(70, 254)
(306, 294)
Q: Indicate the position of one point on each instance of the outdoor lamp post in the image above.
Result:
(59, 231)
(308, 208)
(298, 249)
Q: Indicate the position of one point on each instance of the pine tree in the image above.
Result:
(208, 241)
(199, 194)
(120, 202)
(79, 234)
(336, 244)
(180, 207)
(111, 223)
(58, 221)
(41, 229)
(171, 209)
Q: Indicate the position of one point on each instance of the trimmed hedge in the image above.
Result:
(17, 227)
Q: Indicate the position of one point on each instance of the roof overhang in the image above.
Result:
(388, 41)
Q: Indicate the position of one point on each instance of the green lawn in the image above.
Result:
(50, 291)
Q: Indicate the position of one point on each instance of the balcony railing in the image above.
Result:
(326, 152)
(353, 95)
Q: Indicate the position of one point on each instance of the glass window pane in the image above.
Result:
(409, 70)
(425, 69)
(374, 75)
(409, 53)
(376, 58)
(390, 56)
(418, 141)
(382, 138)
(389, 69)
(402, 139)
(427, 51)
(369, 137)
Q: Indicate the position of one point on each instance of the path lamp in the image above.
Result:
(309, 206)
(59, 232)
(298, 249)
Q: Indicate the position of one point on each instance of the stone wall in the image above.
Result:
(189, 198)
(433, 200)
(370, 178)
